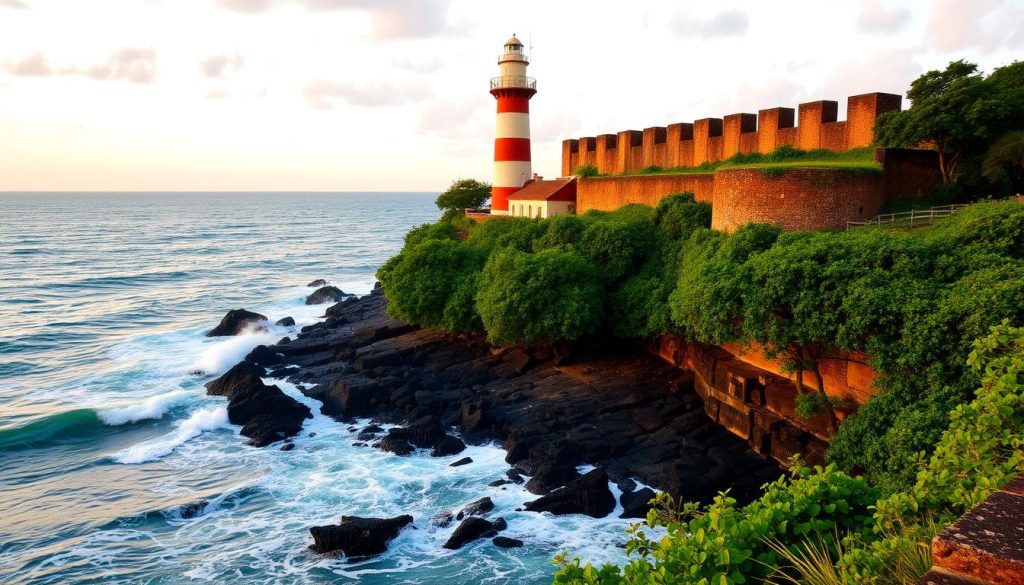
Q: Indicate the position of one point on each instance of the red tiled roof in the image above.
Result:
(553, 190)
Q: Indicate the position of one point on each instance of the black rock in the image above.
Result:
(549, 476)
(473, 528)
(477, 508)
(442, 519)
(242, 377)
(424, 432)
(395, 445)
(448, 445)
(236, 321)
(192, 509)
(358, 537)
(506, 542)
(286, 322)
(325, 294)
(500, 482)
(461, 462)
(351, 398)
(263, 356)
(587, 495)
(265, 413)
(636, 504)
(317, 282)
(288, 446)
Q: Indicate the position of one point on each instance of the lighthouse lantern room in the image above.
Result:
(513, 90)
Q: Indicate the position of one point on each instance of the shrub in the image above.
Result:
(679, 215)
(550, 296)
(584, 171)
(463, 194)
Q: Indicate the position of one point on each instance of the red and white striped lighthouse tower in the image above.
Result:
(513, 90)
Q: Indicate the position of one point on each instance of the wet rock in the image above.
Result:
(461, 462)
(317, 282)
(448, 445)
(636, 504)
(242, 377)
(424, 432)
(285, 322)
(263, 356)
(500, 482)
(358, 537)
(473, 528)
(477, 508)
(192, 509)
(549, 476)
(237, 321)
(506, 542)
(265, 413)
(587, 495)
(442, 519)
(325, 294)
(288, 446)
(395, 445)
(351, 397)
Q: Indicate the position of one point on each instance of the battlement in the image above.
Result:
(717, 139)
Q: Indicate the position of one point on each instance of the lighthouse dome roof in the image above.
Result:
(513, 41)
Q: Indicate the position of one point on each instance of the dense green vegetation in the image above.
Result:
(912, 300)
(823, 526)
(461, 195)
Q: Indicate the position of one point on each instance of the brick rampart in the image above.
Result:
(716, 139)
(796, 199)
(611, 193)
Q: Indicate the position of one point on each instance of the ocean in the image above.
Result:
(107, 439)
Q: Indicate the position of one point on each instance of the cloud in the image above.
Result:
(889, 71)
(127, 64)
(422, 66)
(392, 19)
(34, 65)
(987, 25)
(13, 4)
(322, 94)
(876, 18)
(727, 23)
(219, 66)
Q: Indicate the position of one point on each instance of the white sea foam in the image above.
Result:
(205, 419)
(218, 358)
(153, 407)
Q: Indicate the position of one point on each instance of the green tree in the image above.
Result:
(1005, 160)
(463, 194)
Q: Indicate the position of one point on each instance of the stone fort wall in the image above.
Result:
(717, 139)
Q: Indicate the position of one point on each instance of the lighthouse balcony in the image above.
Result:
(513, 81)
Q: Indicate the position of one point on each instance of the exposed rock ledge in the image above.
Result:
(621, 409)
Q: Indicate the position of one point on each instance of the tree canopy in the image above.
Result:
(463, 194)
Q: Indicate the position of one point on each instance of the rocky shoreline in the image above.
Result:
(618, 409)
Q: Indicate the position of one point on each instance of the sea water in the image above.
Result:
(115, 467)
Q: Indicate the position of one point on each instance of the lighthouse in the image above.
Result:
(513, 90)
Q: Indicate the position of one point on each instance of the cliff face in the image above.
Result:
(748, 394)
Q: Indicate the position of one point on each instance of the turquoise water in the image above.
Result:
(105, 431)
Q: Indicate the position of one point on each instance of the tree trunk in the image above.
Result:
(820, 384)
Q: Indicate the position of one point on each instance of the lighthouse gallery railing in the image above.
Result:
(513, 81)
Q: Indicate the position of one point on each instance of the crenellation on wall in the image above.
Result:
(716, 139)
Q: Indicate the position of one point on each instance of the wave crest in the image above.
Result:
(205, 419)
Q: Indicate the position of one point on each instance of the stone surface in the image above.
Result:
(358, 537)
(325, 294)
(987, 542)
(237, 321)
(587, 495)
(317, 283)
(636, 504)
(285, 322)
(461, 462)
(506, 542)
(477, 508)
(265, 413)
(473, 528)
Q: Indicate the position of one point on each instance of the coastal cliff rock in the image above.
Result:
(236, 321)
(325, 294)
(265, 413)
(358, 537)
(317, 282)
(285, 322)
(473, 528)
(618, 408)
(587, 495)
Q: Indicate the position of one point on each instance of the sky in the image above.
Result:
(392, 95)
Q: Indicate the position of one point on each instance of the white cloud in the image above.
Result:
(726, 23)
(220, 66)
(987, 25)
(13, 4)
(877, 18)
(34, 65)
(134, 65)
(392, 19)
(322, 94)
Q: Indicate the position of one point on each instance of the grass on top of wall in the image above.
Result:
(783, 157)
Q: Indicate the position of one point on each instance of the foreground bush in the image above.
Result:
(830, 523)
